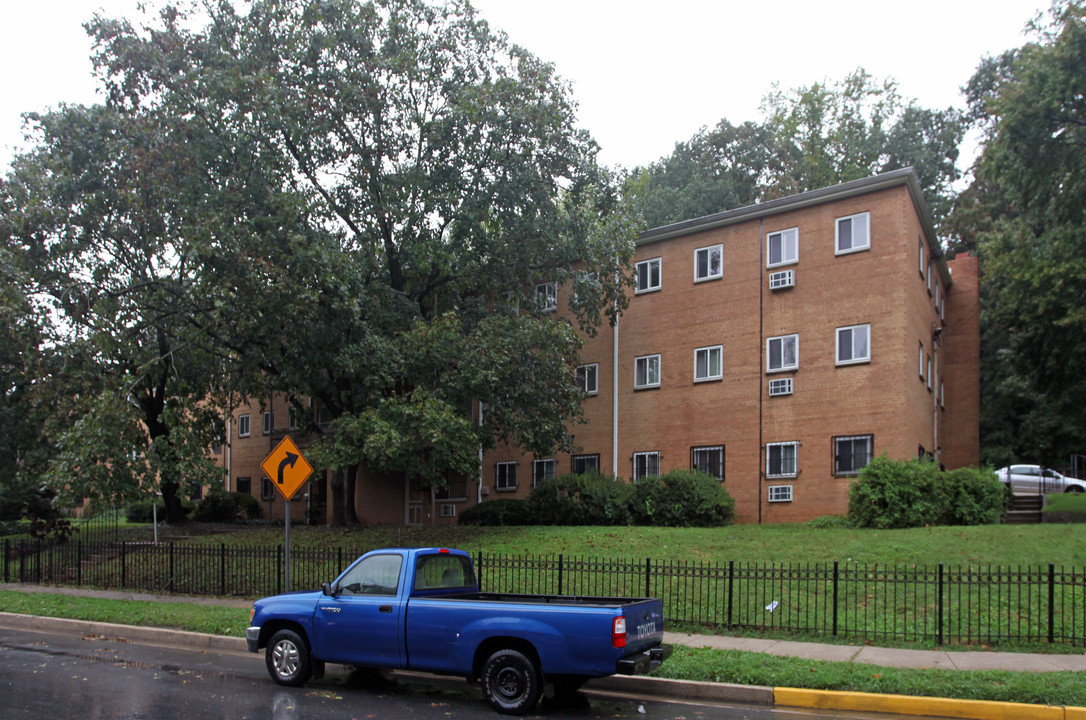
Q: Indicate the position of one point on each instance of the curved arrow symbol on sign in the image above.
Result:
(290, 459)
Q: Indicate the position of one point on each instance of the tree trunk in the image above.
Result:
(349, 490)
(335, 492)
(171, 499)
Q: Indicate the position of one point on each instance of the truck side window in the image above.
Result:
(443, 571)
(376, 575)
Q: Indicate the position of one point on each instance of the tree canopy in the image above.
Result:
(348, 202)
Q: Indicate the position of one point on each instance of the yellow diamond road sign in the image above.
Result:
(287, 468)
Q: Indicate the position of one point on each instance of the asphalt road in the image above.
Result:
(46, 675)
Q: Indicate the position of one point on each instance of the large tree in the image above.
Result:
(1030, 104)
(810, 137)
(428, 175)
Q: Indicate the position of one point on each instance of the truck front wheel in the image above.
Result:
(511, 682)
(287, 658)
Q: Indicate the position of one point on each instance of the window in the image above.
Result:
(920, 254)
(780, 386)
(936, 294)
(942, 394)
(588, 378)
(709, 263)
(546, 296)
(292, 419)
(648, 275)
(852, 233)
(505, 476)
(586, 463)
(543, 470)
(647, 372)
(267, 492)
(780, 493)
(708, 363)
(782, 353)
(243, 426)
(646, 464)
(448, 510)
(269, 422)
(708, 460)
(927, 277)
(853, 344)
(851, 454)
(243, 485)
(375, 575)
(780, 459)
(929, 372)
(921, 360)
(783, 247)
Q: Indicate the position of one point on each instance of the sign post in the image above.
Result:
(288, 470)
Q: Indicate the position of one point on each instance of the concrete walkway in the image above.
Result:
(866, 654)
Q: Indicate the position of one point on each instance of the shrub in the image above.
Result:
(681, 498)
(585, 499)
(913, 493)
(505, 511)
(140, 511)
(219, 506)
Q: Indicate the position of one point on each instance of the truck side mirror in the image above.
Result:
(326, 588)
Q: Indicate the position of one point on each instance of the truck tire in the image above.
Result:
(287, 658)
(511, 682)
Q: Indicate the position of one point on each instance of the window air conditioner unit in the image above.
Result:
(448, 510)
(782, 279)
(780, 386)
(485, 490)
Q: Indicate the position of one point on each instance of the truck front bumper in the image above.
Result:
(643, 662)
(252, 638)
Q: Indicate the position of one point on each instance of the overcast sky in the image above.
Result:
(645, 74)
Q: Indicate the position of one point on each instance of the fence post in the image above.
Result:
(7, 555)
(939, 612)
(731, 583)
(222, 569)
(559, 573)
(278, 569)
(79, 563)
(835, 595)
(1051, 603)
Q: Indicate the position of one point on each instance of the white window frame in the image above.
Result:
(448, 510)
(717, 450)
(245, 426)
(779, 493)
(784, 471)
(718, 249)
(920, 253)
(784, 386)
(543, 469)
(851, 439)
(646, 464)
(708, 353)
(921, 368)
(546, 296)
(588, 378)
(502, 479)
(269, 422)
(648, 361)
(654, 264)
(789, 241)
(929, 372)
(782, 339)
(852, 219)
(942, 394)
(852, 331)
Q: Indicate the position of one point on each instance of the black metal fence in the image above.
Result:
(853, 601)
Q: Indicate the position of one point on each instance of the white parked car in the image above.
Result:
(1037, 479)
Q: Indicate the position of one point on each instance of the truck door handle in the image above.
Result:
(385, 609)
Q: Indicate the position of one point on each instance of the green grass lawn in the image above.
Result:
(1000, 545)
(746, 668)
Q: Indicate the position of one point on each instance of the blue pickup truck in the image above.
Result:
(421, 609)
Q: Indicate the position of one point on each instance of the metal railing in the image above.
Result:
(852, 601)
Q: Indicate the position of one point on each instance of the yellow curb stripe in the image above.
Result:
(910, 705)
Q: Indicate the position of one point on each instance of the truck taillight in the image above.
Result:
(618, 632)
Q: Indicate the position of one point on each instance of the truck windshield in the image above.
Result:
(443, 571)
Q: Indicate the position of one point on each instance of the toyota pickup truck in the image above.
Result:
(421, 609)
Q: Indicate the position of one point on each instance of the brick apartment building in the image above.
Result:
(779, 347)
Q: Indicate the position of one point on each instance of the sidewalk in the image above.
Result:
(865, 654)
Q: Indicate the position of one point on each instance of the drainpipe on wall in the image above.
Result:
(479, 485)
(614, 401)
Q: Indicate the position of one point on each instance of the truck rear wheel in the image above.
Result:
(287, 658)
(511, 682)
